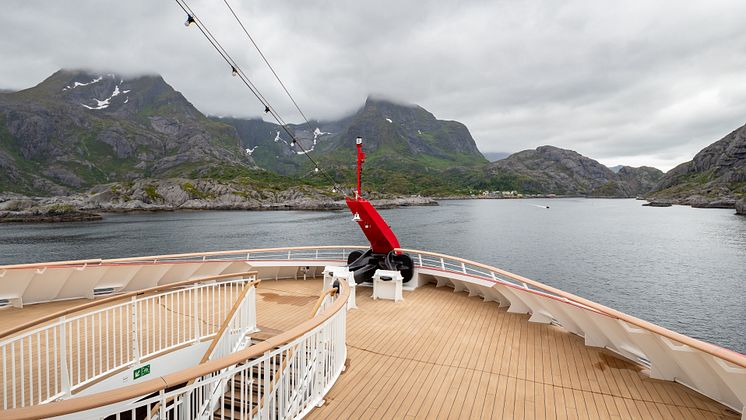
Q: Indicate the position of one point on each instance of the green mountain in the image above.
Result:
(409, 148)
(551, 170)
(76, 129)
(715, 177)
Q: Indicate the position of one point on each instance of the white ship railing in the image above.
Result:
(22, 284)
(72, 350)
(285, 376)
(710, 370)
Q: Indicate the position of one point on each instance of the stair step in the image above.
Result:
(229, 414)
(264, 334)
(237, 400)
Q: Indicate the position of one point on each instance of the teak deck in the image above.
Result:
(441, 354)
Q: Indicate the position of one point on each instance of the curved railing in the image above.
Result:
(23, 284)
(306, 361)
(63, 353)
(321, 253)
(711, 370)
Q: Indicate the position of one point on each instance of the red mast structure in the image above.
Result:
(381, 237)
(383, 243)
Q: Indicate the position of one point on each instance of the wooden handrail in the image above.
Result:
(218, 335)
(227, 320)
(110, 299)
(729, 356)
(171, 256)
(320, 301)
(101, 399)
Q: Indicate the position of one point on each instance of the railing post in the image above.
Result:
(442, 264)
(195, 313)
(267, 396)
(162, 410)
(251, 308)
(463, 268)
(64, 368)
(419, 257)
(289, 254)
(135, 333)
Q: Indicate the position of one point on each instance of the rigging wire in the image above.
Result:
(237, 71)
(272, 69)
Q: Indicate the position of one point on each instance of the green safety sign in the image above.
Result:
(141, 371)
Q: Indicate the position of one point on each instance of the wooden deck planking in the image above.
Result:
(441, 354)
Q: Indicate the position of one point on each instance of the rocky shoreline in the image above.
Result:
(698, 201)
(178, 194)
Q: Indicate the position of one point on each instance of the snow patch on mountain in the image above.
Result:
(389, 120)
(250, 151)
(106, 102)
(278, 138)
(316, 134)
(78, 84)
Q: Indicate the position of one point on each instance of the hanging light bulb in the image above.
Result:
(334, 190)
(316, 169)
(292, 143)
(234, 71)
(189, 21)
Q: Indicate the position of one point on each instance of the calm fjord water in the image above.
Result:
(679, 267)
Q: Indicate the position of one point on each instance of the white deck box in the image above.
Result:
(388, 285)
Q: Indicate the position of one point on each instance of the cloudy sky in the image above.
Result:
(625, 82)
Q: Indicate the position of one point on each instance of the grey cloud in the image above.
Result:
(632, 82)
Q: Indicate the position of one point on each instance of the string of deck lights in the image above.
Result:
(266, 61)
(236, 71)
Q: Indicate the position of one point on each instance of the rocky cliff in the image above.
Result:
(640, 180)
(716, 177)
(77, 129)
(741, 206)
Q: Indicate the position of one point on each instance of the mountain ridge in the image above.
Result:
(550, 169)
(77, 129)
(715, 177)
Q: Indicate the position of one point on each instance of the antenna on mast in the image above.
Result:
(360, 160)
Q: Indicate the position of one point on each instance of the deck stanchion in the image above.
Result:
(195, 319)
(64, 369)
(135, 343)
